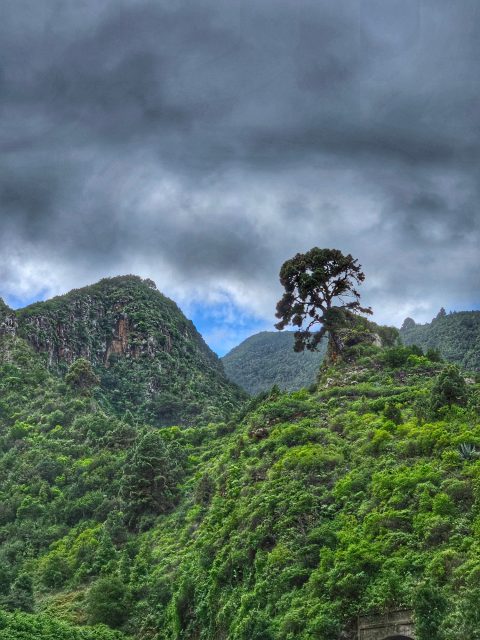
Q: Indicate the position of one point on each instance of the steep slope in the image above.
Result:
(307, 509)
(61, 458)
(150, 359)
(355, 498)
(456, 336)
(267, 358)
(7, 319)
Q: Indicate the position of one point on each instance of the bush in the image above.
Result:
(393, 413)
(430, 607)
(108, 602)
(398, 356)
(21, 594)
(449, 389)
(55, 570)
(81, 376)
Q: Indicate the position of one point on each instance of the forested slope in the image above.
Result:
(456, 335)
(284, 522)
(267, 358)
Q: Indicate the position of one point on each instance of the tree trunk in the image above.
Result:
(335, 347)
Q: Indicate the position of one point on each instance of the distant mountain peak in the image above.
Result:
(408, 323)
(456, 335)
(145, 351)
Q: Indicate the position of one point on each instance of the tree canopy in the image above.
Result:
(320, 289)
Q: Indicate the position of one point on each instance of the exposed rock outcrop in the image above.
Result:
(8, 320)
(142, 347)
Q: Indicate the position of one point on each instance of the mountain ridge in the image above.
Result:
(267, 358)
(456, 335)
(149, 357)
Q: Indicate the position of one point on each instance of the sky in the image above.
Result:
(201, 143)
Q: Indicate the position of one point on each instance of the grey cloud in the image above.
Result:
(204, 143)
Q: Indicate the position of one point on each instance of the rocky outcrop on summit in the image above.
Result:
(145, 351)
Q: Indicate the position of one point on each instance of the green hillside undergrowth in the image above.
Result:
(456, 336)
(287, 521)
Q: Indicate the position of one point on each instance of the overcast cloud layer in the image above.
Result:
(201, 143)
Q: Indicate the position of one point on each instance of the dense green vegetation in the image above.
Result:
(4, 309)
(456, 335)
(267, 359)
(148, 356)
(22, 626)
(78, 486)
(285, 522)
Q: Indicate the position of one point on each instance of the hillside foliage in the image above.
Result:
(22, 626)
(285, 521)
(268, 358)
(456, 335)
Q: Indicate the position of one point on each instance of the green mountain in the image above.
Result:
(456, 335)
(150, 359)
(301, 512)
(267, 358)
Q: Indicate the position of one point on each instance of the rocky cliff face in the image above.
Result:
(8, 320)
(149, 356)
(116, 317)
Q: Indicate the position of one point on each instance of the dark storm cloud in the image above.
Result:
(202, 143)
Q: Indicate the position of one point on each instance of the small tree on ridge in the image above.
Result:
(320, 290)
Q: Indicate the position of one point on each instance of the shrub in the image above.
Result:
(398, 356)
(55, 570)
(108, 602)
(393, 413)
(21, 594)
(81, 376)
(449, 389)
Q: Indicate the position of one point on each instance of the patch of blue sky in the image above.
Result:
(18, 302)
(224, 325)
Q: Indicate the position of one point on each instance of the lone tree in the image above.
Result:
(320, 290)
(152, 472)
